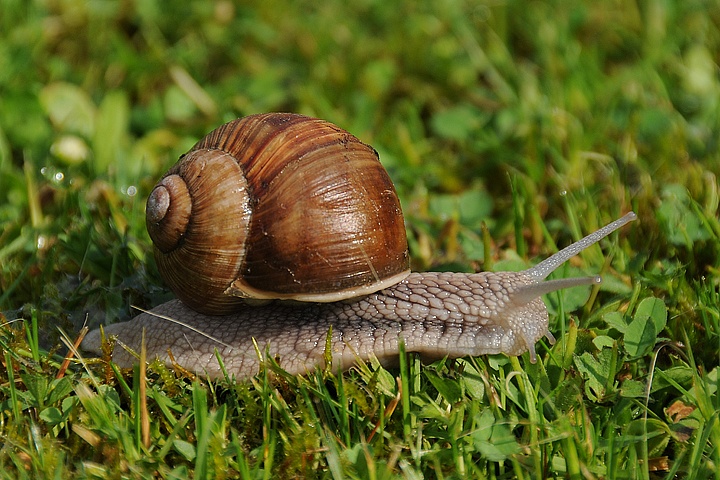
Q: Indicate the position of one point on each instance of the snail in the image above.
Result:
(282, 234)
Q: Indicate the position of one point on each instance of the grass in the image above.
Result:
(509, 128)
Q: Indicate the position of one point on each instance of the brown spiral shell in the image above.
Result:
(277, 206)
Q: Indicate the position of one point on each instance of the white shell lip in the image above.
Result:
(240, 289)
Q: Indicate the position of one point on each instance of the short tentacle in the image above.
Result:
(530, 292)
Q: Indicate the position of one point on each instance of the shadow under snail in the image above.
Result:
(276, 229)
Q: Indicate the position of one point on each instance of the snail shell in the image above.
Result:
(282, 206)
(277, 206)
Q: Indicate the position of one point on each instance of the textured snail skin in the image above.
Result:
(435, 314)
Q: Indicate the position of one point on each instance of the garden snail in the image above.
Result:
(323, 226)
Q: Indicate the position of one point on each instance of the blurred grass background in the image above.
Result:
(543, 120)
(608, 103)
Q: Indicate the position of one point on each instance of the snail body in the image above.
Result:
(285, 180)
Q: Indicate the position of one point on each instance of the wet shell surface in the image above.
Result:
(277, 206)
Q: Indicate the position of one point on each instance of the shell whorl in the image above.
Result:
(199, 230)
(168, 212)
(277, 206)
